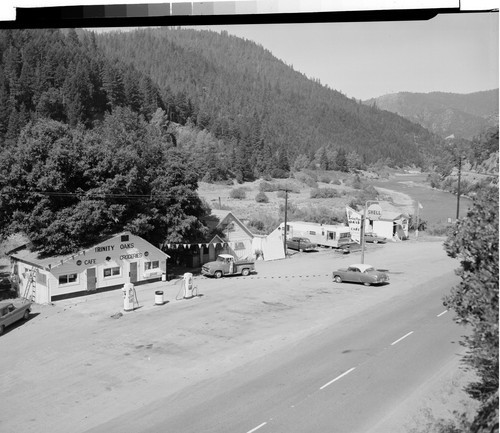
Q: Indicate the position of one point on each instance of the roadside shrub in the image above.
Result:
(336, 182)
(264, 223)
(370, 190)
(440, 229)
(279, 173)
(356, 182)
(324, 193)
(261, 197)
(289, 186)
(267, 187)
(306, 179)
(238, 193)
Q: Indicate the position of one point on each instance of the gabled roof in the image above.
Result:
(392, 216)
(32, 257)
(224, 217)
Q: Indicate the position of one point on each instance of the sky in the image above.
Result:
(457, 53)
(453, 52)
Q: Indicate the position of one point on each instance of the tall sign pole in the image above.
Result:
(372, 212)
(458, 185)
(286, 209)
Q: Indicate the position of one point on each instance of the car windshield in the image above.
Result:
(369, 269)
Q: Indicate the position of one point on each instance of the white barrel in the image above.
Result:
(159, 297)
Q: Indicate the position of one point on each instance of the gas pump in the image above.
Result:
(188, 285)
(129, 297)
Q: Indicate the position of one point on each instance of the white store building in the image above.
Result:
(117, 260)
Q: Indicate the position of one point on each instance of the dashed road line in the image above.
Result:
(337, 378)
(256, 428)
(440, 314)
(402, 338)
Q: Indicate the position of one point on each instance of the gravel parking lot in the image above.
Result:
(83, 361)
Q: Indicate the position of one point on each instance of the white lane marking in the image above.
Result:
(337, 378)
(258, 427)
(402, 338)
(440, 314)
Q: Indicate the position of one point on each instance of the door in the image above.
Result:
(133, 272)
(91, 279)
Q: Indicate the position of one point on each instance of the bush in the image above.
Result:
(280, 194)
(238, 193)
(440, 229)
(306, 179)
(279, 173)
(324, 193)
(261, 197)
(267, 187)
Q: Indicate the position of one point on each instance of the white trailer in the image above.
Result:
(327, 235)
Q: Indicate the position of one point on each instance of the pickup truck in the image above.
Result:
(227, 265)
(12, 311)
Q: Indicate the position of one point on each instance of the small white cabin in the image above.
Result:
(326, 235)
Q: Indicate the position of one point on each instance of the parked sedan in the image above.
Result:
(361, 273)
(12, 311)
(300, 244)
(372, 237)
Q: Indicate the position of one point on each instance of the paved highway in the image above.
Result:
(345, 378)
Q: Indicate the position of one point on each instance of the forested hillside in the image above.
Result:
(85, 149)
(461, 115)
(102, 133)
(265, 112)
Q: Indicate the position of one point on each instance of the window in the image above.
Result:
(151, 265)
(124, 238)
(239, 246)
(312, 233)
(111, 272)
(67, 279)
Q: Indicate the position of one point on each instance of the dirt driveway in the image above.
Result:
(78, 363)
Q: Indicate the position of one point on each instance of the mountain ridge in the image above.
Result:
(445, 113)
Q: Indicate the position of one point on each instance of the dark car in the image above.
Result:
(300, 244)
(373, 237)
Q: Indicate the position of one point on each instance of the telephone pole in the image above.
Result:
(286, 213)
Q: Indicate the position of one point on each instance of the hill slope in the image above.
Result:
(463, 115)
(242, 94)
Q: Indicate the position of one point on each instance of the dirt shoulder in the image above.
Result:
(81, 362)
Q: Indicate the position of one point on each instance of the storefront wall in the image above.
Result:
(122, 259)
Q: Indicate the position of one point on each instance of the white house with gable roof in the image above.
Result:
(119, 259)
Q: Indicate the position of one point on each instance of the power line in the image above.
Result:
(86, 195)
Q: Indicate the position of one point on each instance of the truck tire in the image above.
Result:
(245, 272)
(218, 274)
(2, 328)
(26, 315)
